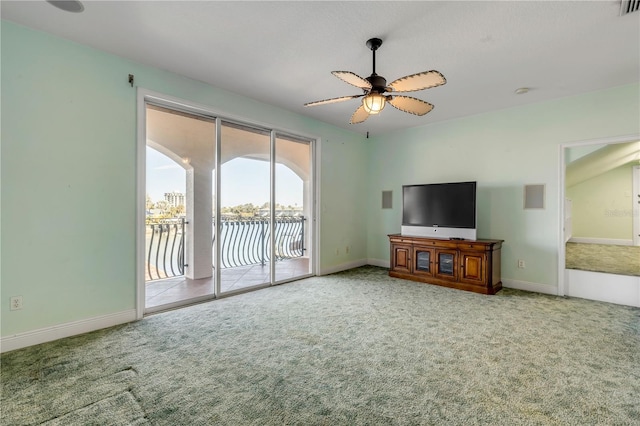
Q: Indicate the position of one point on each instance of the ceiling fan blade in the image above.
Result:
(332, 100)
(420, 81)
(352, 79)
(411, 105)
(359, 116)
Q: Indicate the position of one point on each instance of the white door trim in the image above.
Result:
(141, 189)
(635, 210)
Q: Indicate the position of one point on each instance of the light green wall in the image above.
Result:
(577, 152)
(69, 174)
(602, 206)
(502, 151)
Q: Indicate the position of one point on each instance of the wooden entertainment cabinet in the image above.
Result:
(472, 265)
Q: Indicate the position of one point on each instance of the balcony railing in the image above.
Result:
(243, 242)
(165, 249)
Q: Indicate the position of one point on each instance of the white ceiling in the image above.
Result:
(282, 53)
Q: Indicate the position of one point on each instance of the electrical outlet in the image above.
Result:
(521, 264)
(346, 249)
(16, 303)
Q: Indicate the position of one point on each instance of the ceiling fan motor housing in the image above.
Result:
(378, 83)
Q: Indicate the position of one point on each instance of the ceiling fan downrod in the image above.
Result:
(374, 44)
(378, 83)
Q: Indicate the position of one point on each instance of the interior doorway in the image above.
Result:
(598, 249)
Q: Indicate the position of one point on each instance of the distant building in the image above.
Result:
(174, 198)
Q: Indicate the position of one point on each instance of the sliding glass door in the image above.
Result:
(293, 196)
(243, 225)
(229, 206)
(264, 223)
(179, 161)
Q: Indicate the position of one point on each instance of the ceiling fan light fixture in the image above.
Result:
(373, 103)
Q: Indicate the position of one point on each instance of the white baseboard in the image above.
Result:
(529, 286)
(612, 288)
(383, 263)
(607, 241)
(48, 334)
(343, 267)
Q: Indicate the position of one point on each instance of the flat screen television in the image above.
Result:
(441, 210)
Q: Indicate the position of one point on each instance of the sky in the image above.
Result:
(244, 181)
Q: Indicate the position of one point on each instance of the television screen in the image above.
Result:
(446, 205)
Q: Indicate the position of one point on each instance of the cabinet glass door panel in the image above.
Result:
(446, 261)
(423, 261)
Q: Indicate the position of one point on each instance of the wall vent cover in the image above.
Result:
(534, 196)
(628, 6)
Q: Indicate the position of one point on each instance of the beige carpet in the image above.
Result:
(354, 348)
(621, 260)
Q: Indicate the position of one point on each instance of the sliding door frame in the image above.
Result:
(145, 96)
(272, 206)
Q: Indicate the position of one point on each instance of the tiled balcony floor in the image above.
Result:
(178, 289)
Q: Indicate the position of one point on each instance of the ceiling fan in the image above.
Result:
(375, 90)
